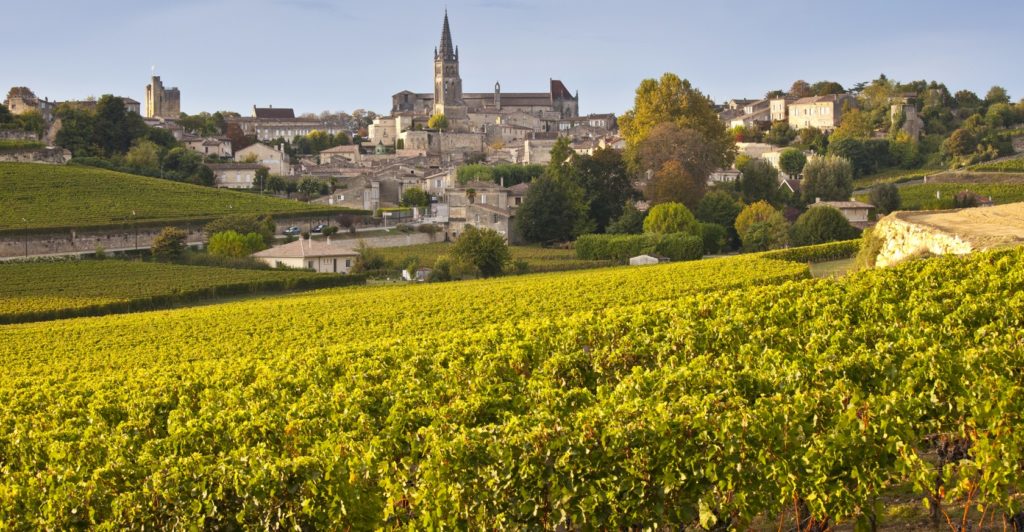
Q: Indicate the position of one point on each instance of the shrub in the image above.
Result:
(714, 236)
(485, 249)
(819, 225)
(885, 198)
(761, 227)
(671, 217)
(680, 246)
(233, 244)
(870, 247)
(169, 244)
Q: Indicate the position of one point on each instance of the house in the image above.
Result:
(779, 108)
(420, 275)
(791, 185)
(821, 112)
(234, 175)
(724, 175)
(347, 153)
(322, 256)
(855, 212)
(277, 161)
(209, 146)
(643, 260)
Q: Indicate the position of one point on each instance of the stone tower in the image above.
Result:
(447, 83)
(161, 102)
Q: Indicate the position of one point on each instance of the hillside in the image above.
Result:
(52, 196)
(681, 395)
(52, 290)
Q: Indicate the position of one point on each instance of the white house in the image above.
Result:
(234, 175)
(854, 211)
(322, 256)
(276, 160)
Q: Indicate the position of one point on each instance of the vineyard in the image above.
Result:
(52, 290)
(1009, 165)
(614, 398)
(922, 196)
(539, 259)
(48, 196)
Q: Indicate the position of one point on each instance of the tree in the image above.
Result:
(761, 227)
(144, 155)
(262, 178)
(694, 156)
(855, 124)
(811, 138)
(309, 187)
(116, 128)
(996, 95)
(780, 134)
(276, 183)
(561, 165)
(550, 212)
(232, 244)
(800, 89)
(484, 248)
(631, 221)
(415, 197)
(180, 163)
(438, 122)
(721, 208)
(606, 185)
(823, 88)
(671, 217)
(857, 152)
(792, 161)
(170, 244)
(31, 121)
(885, 198)
(821, 224)
(244, 224)
(827, 178)
(76, 131)
(758, 180)
(674, 100)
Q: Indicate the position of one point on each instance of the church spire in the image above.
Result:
(446, 51)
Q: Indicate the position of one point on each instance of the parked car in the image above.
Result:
(293, 230)
(319, 228)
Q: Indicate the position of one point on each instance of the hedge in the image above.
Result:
(845, 249)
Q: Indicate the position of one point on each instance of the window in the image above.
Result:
(310, 265)
(335, 265)
(348, 263)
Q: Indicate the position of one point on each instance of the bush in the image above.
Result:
(233, 244)
(485, 249)
(714, 236)
(680, 246)
(885, 198)
(819, 225)
(169, 244)
(761, 227)
(671, 217)
(244, 224)
(965, 199)
(870, 247)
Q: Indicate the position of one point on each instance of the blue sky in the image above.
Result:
(317, 55)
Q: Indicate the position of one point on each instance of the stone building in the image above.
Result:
(162, 102)
(22, 100)
(821, 112)
(449, 99)
(274, 159)
(270, 123)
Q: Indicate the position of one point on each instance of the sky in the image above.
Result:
(341, 55)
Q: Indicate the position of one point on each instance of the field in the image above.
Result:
(922, 196)
(48, 196)
(52, 290)
(617, 398)
(1009, 165)
(540, 259)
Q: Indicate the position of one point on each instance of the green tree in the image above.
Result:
(116, 128)
(821, 224)
(671, 99)
(780, 134)
(261, 180)
(811, 138)
(761, 227)
(31, 121)
(276, 184)
(758, 180)
(631, 221)
(415, 197)
(828, 178)
(485, 249)
(855, 124)
(76, 131)
(309, 187)
(885, 198)
(857, 152)
(606, 185)
(232, 244)
(672, 183)
(550, 212)
(438, 122)
(996, 95)
(144, 155)
(824, 88)
(800, 89)
(792, 161)
(244, 224)
(170, 244)
(671, 217)
(721, 208)
(680, 161)
(561, 165)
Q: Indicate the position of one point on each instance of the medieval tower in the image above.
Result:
(447, 83)
(161, 102)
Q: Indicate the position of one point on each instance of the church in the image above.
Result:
(470, 111)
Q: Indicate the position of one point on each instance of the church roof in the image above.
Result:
(446, 51)
(558, 90)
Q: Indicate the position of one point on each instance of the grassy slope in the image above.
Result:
(48, 196)
(40, 291)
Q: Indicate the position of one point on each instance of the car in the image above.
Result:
(319, 228)
(293, 230)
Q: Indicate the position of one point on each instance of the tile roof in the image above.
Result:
(303, 248)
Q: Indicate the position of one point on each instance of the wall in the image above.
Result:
(902, 239)
(45, 156)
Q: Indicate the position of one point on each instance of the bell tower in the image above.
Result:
(447, 83)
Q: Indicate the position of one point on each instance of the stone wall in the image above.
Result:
(44, 156)
(902, 239)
